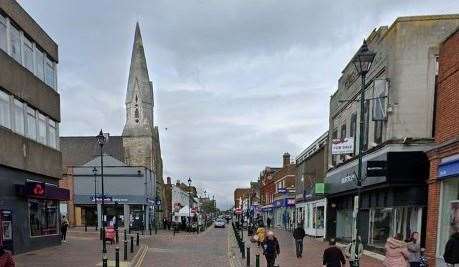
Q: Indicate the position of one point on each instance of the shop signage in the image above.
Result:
(35, 189)
(348, 178)
(106, 199)
(448, 169)
(42, 190)
(238, 211)
(282, 190)
(376, 168)
(319, 188)
(343, 146)
(290, 201)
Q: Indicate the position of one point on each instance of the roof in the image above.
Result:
(78, 150)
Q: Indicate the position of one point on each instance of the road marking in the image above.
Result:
(142, 256)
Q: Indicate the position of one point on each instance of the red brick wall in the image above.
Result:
(239, 192)
(433, 201)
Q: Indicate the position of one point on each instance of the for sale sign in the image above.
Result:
(343, 146)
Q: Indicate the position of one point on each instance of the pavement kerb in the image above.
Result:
(234, 255)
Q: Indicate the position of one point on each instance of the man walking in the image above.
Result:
(271, 248)
(333, 256)
(268, 222)
(64, 226)
(298, 235)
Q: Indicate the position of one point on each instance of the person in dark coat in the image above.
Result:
(6, 260)
(333, 256)
(298, 235)
(268, 222)
(451, 254)
(271, 248)
(64, 227)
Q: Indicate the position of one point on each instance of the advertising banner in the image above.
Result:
(343, 146)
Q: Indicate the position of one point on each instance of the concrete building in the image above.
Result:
(398, 119)
(443, 182)
(30, 160)
(311, 204)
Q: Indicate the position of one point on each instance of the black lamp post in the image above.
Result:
(362, 63)
(190, 203)
(101, 141)
(94, 171)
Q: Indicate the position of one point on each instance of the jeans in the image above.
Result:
(414, 264)
(299, 247)
(270, 259)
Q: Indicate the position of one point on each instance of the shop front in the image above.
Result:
(267, 212)
(392, 199)
(313, 209)
(284, 213)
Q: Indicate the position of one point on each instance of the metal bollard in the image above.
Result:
(257, 260)
(125, 250)
(117, 257)
(117, 236)
(150, 229)
(137, 240)
(85, 227)
(248, 256)
(125, 234)
(243, 250)
(156, 229)
(104, 261)
(132, 244)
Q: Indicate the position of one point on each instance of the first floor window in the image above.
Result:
(52, 134)
(41, 129)
(31, 124)
(18, 117)
(43, 217)
(49, 73)
(15, 42)
(4, 110)
(2, 33)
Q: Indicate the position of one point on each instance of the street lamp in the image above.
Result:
(362, 63)
(101, 141)
(94, 171)
(189, 203)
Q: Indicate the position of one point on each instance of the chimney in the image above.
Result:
(286, 159)
(168, 180)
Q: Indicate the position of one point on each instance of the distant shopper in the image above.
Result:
(64, 227)
(414, 249)
(271, 248)
(396, 252)
(333, 256)
(298, 235)
(451, 254)
(260, 234)
(354, 251)
(268, 222)
(6, 260)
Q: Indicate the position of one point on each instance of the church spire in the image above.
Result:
(139, 94)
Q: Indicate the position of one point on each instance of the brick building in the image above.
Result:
(443, 181)
(239, 195)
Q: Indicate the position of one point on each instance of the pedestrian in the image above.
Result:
(268, 222)
(354, 251)
(6, 260)
(396, 252)
(260, 234)
(271, 248)
(298, 235)
(414, 249)
(451, 254)
(64, 227)
(333, 256)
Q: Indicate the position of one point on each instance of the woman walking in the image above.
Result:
(396, 252)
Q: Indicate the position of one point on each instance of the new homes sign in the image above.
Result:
(343, 146)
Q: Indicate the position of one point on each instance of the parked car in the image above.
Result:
(219, 224)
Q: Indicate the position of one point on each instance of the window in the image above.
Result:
(353, 129)
(378, 132)
(52, 133)
(4, 110)
(28, 54)
(334, 136)
(39, 64)
(43, 217)
(49, 73)
(380, 226)
(18, 117)
(2, 33)
(15, 43)
(343, 135)
(31, 124)
(41, 129)
(344, 224)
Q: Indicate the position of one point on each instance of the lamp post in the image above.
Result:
(94, 171)
(362, 63)
(189, 203)
(101, 141)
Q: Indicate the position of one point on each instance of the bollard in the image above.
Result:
(117, 257)
(132, 244)
(257, 260)
(125, 234)
(248, 256)
(156, 229)
(85, 227)
(104, 261)
(243, 250)
(125, 250)
(137, 240)
(150, 229)
(117, 236)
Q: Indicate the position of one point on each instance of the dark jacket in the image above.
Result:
(451, 254)
(6, 260)
(299, 233)
(333, 257)
(271, 247)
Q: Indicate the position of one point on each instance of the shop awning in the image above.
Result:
(42, 191)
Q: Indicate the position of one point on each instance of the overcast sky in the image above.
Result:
(236, 83)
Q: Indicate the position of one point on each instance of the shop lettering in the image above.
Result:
(348, 179)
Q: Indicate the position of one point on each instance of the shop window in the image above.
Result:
(449, 213)
(380, 226)
(31, 124)
(4, 110)
(18, 117)
(2, 33)
(344, 224)
(43, 217)
(39, 64)
(319, 215)
(28, 54)
(15, 43)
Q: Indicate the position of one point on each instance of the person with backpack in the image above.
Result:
(354, 251)
(451, 254)
(298, 235)
(271, 249)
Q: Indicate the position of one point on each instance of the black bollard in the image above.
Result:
(125, 250)
(149, 228)
(248, 256)
(117, 236)
(85, 227)
(125, 234)
(243, 250)
(117, 257)
(137, 240)
(104, 261)
(156, 229)
(132, 244)
(257, 260)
